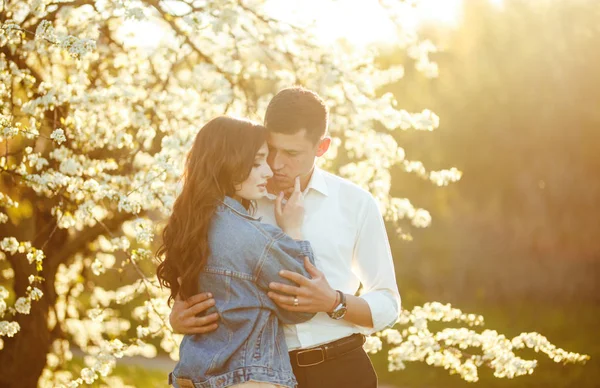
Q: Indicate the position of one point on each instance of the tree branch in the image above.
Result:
(170, 19)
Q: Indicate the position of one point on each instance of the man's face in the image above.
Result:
(290, 156)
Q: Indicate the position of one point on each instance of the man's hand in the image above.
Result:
(183, 317)
(314, 295)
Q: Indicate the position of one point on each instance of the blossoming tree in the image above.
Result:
(93, 133)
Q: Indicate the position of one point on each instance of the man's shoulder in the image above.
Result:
(345, 186)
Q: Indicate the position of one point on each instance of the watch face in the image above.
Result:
(339, 312)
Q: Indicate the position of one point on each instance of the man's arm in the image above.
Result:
(183, 317)
(374, 266)
(316, 295)
(379, 305)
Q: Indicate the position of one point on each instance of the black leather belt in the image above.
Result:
(328, 351)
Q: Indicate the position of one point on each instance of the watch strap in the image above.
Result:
(342, 298)
(335, 314)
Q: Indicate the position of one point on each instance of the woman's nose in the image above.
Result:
(268, 172)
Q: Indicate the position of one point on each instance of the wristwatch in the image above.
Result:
(340, 310)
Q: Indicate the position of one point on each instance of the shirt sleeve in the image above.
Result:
(374, 266)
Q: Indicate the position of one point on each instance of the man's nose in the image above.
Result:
(276, 161)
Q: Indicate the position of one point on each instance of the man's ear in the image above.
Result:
(323, 146)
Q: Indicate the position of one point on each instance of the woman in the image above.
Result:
(212, 242)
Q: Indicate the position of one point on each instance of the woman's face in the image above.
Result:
(255, 186)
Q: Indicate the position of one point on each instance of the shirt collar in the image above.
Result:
(238, 208)
(317, 182)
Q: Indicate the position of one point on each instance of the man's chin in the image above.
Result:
(275, 186)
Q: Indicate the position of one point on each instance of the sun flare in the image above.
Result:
(363, 22)
(358, 22)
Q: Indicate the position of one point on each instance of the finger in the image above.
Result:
(203, 329)
(283, 299)
(289, 191)
(198, 298)
(310, 268)
(295, 277)
(199, 308)
(299, 308)
(204, 321)
(290, 290)
(178, 298)
(278, 207)
(297, 184)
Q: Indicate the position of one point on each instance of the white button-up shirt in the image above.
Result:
(346, 230)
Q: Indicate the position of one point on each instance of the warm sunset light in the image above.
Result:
(357, 22)
(299, 193)
(363, 22)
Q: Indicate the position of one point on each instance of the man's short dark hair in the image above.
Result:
(297, 108)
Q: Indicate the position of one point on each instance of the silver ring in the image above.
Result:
(296, 303)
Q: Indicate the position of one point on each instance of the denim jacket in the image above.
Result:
(249, 344)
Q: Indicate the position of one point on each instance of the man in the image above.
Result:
(347, 233)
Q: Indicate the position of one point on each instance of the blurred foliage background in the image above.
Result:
(518, 238)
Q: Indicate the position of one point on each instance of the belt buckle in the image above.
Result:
(307, 351)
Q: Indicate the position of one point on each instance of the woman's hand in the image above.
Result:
(290, 216)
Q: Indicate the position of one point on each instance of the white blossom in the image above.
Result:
(3, 293)
(36, 293)
(9, 132)
(9, 329)
(23, 305)
(9, 244)
(35, 255)
(58, 136)
(414, 341)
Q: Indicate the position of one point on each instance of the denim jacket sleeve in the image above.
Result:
(285, 253)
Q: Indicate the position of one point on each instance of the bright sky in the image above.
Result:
(361, 22)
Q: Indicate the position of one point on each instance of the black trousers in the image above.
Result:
(350, 370)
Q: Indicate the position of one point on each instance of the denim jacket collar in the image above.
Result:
(238, 208)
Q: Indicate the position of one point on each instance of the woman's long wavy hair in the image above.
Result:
(220, 159)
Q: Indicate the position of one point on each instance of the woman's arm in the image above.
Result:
(285, 254)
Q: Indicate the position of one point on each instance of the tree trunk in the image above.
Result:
(24, 356)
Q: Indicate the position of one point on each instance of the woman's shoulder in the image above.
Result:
(271, 231)
(244, 228)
